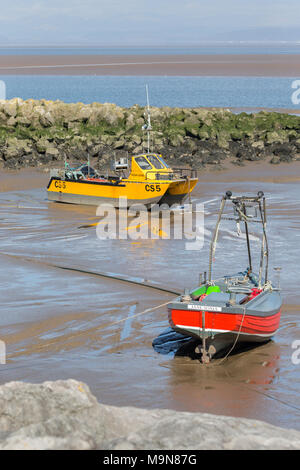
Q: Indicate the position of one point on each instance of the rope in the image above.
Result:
(101, 327)
(151, 309)
(116, 277)
(235, 341)
(264, 394)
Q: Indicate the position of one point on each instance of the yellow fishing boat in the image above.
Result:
(145, 179)
(150, 181)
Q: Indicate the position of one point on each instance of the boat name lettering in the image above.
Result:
(152, 187)
(60, 184)
(204, 307)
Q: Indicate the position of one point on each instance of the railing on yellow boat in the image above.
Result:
(190, 172)
(167, 175)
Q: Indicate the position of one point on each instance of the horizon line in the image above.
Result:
(169, 45)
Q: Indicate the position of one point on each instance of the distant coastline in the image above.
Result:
(244, 65)
(203, 47)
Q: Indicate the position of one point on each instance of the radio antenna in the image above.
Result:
(147, 127)
(88, 162)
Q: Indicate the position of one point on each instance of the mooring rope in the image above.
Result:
(116, 277)
(101, 327)
(235, 341)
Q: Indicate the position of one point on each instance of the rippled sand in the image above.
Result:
(61, 323)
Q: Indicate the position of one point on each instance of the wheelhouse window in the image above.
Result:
(155, 162)
(162, 161)
(143, 163)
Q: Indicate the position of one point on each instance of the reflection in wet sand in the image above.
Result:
(61, 323)
(232, 389)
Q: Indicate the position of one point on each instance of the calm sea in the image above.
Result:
(209, 48)
(172, 91)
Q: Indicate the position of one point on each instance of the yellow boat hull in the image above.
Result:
(142, 192)
(95, 193)
(178, 191)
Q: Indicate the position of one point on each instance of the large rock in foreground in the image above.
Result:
(65, 415)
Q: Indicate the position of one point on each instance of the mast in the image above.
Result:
(247, 238)
(147, 127)
(266, 240)
(65, 161)
(264, 258)
(213, 244)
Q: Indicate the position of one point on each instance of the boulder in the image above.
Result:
(119, 144)
(259, 144)
(65, 415)
(10, 108)
(42, 144)
(192, 145)
(56, 415)
(192, 130)
(278, 136)
(107, 139)
(16, 148)
(11, 122)
(176, 140)
(136, 139)
(85, 113)
(23, 121)
(130, 121)
(52, 153)
(47, 120)
(223, 139)
(275, 160)
(110, 113)
(3, 118)
(95, 150)
(138, 150)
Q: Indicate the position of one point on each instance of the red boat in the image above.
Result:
(238, 308)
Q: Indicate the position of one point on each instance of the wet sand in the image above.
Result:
(22, 179)
(271, 65)
(252, 171)
(60, 324)
(27, 178)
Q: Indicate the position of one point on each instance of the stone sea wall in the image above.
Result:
(65, 415)
(35, 133)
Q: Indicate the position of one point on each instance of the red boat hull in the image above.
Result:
(249, 327)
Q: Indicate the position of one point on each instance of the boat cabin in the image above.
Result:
(150, 167)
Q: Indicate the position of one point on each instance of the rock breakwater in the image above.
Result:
(40, 132)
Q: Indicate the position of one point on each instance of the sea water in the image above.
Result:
(174, 91)
(206, 48)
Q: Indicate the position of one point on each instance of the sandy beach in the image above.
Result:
(60, 323)
(271, 65)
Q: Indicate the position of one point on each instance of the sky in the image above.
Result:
(141, 22)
